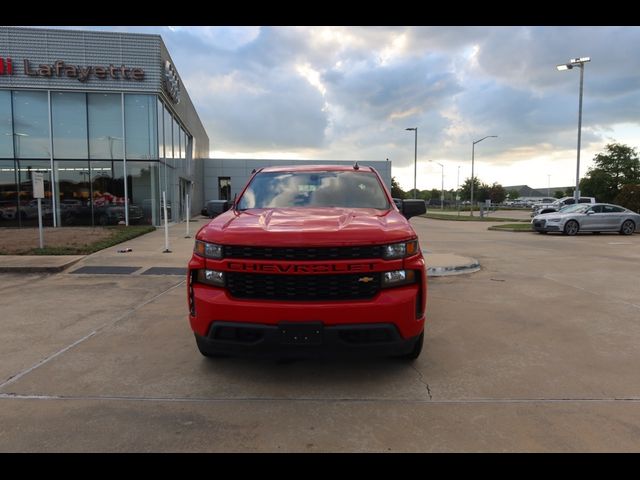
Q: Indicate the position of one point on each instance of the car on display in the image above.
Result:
(102, 213)
(598, 217)
(559, 205)
(310, 260)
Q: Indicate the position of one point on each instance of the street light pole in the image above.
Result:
(577, 62)
(473, 150)
(442, 189)
(415, 161)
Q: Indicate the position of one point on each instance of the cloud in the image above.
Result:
(349, 92)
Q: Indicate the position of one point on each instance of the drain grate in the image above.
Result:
(93, 270)
(165, 271)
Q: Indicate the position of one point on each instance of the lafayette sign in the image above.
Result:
(60, 69)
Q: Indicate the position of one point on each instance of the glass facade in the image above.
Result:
(80, 143)
(31, 124)
(140, 125)
(105, 126)
(6, 125)
(69, 121)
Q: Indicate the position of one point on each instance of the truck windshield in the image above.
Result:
(314, 189)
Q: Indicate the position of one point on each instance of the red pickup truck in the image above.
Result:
(310, 260)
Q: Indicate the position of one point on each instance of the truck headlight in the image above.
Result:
(400, 250)
(208, 250)
(398, 277)
(210, 277)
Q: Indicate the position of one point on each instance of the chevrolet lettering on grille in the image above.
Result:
(300, 268)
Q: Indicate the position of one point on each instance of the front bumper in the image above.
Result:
(544, 226)
(310, 339)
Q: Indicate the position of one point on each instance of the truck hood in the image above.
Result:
(307, 226)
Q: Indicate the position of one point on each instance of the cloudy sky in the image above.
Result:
(348, 93)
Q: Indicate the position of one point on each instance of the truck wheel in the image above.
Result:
(417, 349)
(571, 228)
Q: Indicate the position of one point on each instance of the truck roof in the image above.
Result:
(314, 168)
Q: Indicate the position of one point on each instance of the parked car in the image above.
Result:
(599, 217)
(559, 204)
(213, 208)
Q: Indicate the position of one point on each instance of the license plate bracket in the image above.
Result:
(309, 333)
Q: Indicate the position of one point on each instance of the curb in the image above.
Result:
(456, 270)
(498, 229)
(22, 268)
(450, 264)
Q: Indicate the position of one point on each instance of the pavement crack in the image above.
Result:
(421, 379)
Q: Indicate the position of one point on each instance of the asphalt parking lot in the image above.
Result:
(537, 352)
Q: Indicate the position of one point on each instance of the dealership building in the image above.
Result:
(107, 120)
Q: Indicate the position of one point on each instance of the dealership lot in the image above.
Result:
(536, 352)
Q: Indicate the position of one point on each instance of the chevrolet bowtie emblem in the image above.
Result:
(365, 279)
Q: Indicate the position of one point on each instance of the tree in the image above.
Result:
(396, 190)
(568, 192)
(497, 193)
(598, 184)
(483, 193)
(558, 194)
(465, 190)
(629, 197)
(513, 194)
(617, 166)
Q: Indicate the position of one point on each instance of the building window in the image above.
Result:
(31, 124)
(140, 127)
(224, 188)
(160, 117)
(8, 194)
(142, 186)
(176, 142)
(73, 186)
(107, 193)
(6, 131)
(183, 144)
(28, 204)
(69, 120)
(168, 135)
(105, 126)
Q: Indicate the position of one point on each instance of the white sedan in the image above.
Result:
(598, 217)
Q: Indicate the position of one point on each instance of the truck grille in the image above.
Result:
(303, 287)
(305, 253)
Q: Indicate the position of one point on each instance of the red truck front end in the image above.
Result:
(309, 260)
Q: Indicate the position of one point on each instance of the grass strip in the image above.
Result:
(120, 234)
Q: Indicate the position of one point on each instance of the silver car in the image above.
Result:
(595, 217)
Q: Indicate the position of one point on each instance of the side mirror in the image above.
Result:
(411, 208)
(590, 212)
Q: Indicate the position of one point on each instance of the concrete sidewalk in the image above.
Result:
(147, 251)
